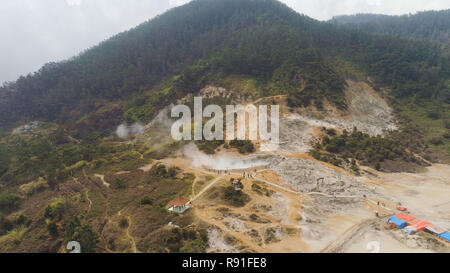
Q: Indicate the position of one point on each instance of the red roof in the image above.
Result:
(420, 226)
(179, 202)
(405, 217)
(413, 222)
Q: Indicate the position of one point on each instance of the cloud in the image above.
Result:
(73, 2)
(35, 32)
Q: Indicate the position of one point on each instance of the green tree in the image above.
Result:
(82, 233)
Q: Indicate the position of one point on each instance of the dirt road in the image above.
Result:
(336, 245)
(217, 179)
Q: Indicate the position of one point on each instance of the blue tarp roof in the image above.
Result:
(398, 222)
(445, 236)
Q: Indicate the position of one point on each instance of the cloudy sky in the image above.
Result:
(35, 32)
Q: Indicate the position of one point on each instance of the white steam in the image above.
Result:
(220, 162)
(125, 132)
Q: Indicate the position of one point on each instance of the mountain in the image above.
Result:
(428, 25)
(209, 40)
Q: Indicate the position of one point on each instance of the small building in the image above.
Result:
(407, 218)
(179, 205)
(237, 184)
(410, 230)
(421, 225)
(434, 230)
(395, 222)
(445, 236)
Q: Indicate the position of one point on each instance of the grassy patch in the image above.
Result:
(12, 238)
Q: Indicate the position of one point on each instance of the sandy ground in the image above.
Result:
(280, 212)
(381, 242)
(426, 195)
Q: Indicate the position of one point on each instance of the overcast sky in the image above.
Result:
(34, 32)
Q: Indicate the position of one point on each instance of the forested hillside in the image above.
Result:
(429, 25)
(130, 76)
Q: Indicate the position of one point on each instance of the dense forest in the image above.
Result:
(428, 25)
(135, 73)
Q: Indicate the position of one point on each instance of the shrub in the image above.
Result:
(209, 147)
(82, 233)
(243, 146)
(9, 201)
(20, 219)
(436, 141)
(173, 171)
(377, 166)
(123, 223)
(159, 170)
(332, 148)
(34, 187)
(195, 246)
(5, 225)
(235, 198)
(447, 124)
(76, 166)
(146, 201)
(55, 209)
(331, 132)
(118, 184)
(52, 228)
(434, 114)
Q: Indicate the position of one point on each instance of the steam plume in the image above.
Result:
(123, 131)
(220, 162)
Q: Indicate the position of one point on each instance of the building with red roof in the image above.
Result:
(406, 217)
(421, 225)
(179, 204)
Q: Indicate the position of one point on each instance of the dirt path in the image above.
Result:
(133, 242)
(217, 179)
(107, 218)
(90, 201)
(148, 167)
(128, 234)
(102, 178)
(348, 235)
(193, 187)
(86, 191)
